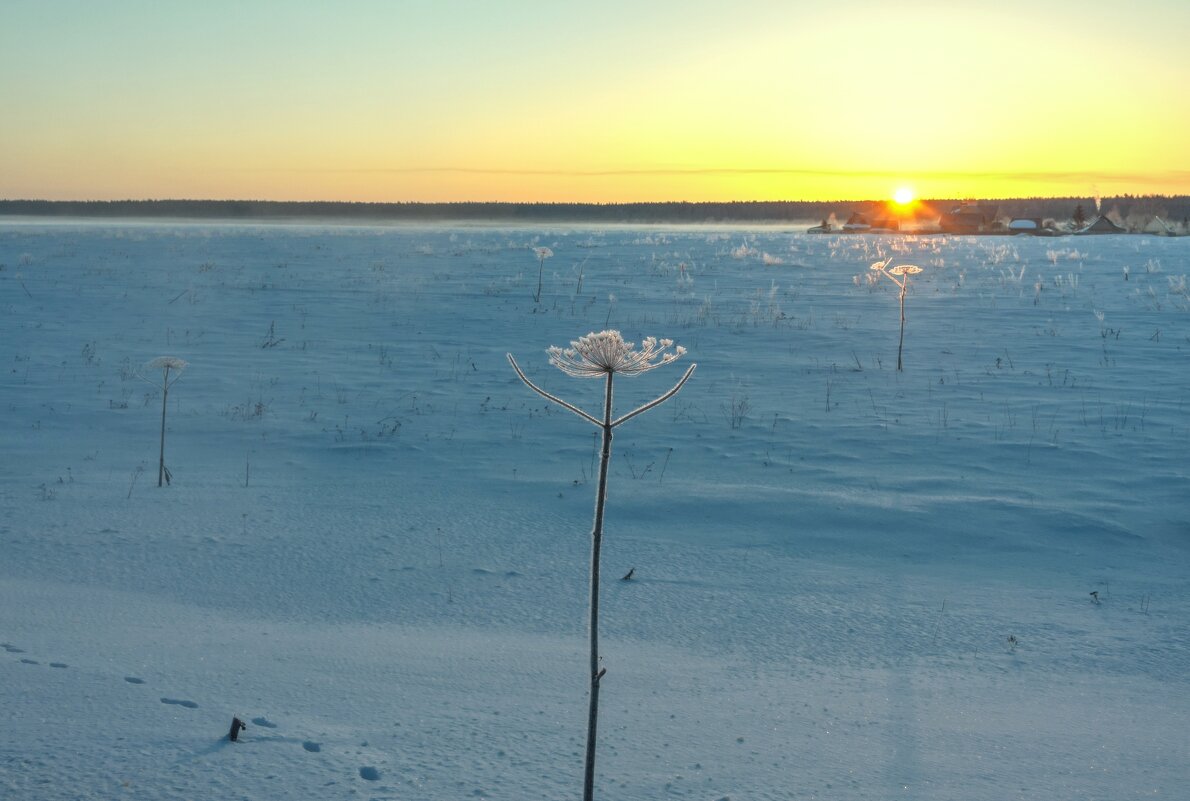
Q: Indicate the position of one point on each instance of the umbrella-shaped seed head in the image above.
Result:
(162, 362)
(905, 269)
(598, 354)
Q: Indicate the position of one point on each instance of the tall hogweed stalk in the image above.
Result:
(165, 364)
(542, 253)
(604, 355)
(899, 275)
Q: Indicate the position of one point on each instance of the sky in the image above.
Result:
(617, 101)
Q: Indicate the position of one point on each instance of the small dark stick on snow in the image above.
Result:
(628, 575)
(236, 726)
(1095, 596)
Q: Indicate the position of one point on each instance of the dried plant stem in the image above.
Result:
(901, 341)
(606, 426)
(165, 364)
(904, 271)
(664, 465)
(164, 400)
(135, 475)
(596, 542)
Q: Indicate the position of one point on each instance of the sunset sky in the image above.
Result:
(388, 100)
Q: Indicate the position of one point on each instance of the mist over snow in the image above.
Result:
(850, 582)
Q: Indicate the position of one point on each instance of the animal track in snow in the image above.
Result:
(12, 649)
(366, 772)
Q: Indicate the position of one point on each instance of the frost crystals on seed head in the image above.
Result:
(162, 362)
(598, 354)
(900, 269)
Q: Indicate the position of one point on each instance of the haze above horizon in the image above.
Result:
(535, 101)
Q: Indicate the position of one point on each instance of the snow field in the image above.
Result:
(830, 555)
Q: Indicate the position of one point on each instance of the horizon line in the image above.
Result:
(922, 200)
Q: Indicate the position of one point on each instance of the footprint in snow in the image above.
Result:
(12, 649)
(369, 773)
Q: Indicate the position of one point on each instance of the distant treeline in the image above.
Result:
(1173, 208)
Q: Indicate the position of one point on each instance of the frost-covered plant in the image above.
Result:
(165, 364)
(892, 273)
(542, 254)
(604, 355)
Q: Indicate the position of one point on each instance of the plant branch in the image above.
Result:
(892, 278)
(658, 401)
(569, 406)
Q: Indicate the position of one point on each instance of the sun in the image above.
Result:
(903, 195)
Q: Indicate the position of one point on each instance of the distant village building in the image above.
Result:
(1033, 226)
(859, 223)
(1101, 225)
(968, 218)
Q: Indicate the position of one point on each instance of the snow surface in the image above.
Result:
(375, 546)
